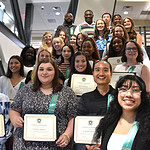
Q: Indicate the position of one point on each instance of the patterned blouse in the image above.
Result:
(38, 103)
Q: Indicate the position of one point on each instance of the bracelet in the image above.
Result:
(68, 137)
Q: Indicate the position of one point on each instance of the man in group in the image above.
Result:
(107, 18)
(96, 103)
(88, 26)
(68, 26)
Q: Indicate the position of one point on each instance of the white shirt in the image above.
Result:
(116, 141)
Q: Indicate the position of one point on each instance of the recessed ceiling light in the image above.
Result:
(57, 13)
(125, 12)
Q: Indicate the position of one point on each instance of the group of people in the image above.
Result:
(39, 82)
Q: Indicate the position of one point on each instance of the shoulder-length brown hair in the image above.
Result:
(140, 53)
(55, 83)
(126, 36)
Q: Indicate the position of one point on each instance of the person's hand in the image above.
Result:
(18, 122)
(105, 58)
(93, 147)
(63, 141)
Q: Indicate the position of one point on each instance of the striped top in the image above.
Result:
(65, 69)
(86, 28)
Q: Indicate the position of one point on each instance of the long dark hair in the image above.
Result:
(95, 54)
(55, 83)
(72, 53)
(115, 110)
(88, 69)
(21, 71)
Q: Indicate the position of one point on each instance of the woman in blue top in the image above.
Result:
(102, 35)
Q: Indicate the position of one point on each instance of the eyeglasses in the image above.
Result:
(47, 37)
(131, 48)
(124, 90)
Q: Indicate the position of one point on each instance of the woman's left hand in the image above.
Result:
(63, 141)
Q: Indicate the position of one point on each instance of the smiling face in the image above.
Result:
(127, 23)
(88, 48)
(117, 45)
(62, 35)
(29, 55)
(46, 73)
(48, 38)
(129, 96)
(80, 40)
(72, 40)
(66, 52)
(102, 74)
(14, 65)
(57, 46)
(117, 20)
(88, 15)
(131, 51)
(80, 63)
(43, 54)
(119, 31)
(100, 25)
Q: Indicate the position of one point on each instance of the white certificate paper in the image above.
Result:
(39, 127)
(114, 61)
(81, 83)
(117, 75)
(2, 125)
(84, 128)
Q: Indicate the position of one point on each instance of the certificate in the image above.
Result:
(117, 75)
(2, 125)
(84, 128)
(39, 127)
(81, 84)
(114, 61)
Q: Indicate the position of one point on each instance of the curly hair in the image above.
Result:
(112, 52)
(88, 69)
(23, 54)
(105, 31)
(95, 54)
(140, 52)
(55, 83)
(21, 71)
(115, 110)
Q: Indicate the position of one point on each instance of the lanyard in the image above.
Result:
(131, 135)
(67, 72)
(110, 98)
(131, 69)
(52, 104)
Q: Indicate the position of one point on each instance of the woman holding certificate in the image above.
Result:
(126, 124)
(132, 58)
(45, 96)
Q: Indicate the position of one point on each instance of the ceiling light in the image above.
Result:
(125, 12)
(57, 13)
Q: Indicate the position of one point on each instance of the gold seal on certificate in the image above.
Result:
(2, 125)
(117, 75)
(114, 61)
(84, 128)
(81, 83)
(39, 127)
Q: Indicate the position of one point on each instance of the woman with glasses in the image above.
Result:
(132, 58)
(46, 42)
(126, 124)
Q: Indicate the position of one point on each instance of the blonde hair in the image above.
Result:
(43, 40)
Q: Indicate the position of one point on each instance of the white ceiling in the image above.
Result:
(42, 17)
